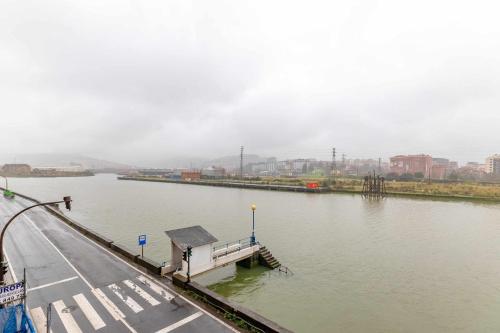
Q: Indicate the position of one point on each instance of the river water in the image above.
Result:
(393, 265)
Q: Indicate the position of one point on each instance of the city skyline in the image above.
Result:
(46, 159)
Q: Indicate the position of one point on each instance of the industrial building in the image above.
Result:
(16, 169)
(411, 164)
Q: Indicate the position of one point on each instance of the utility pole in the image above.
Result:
(333, 163)
(49, 316)
(252, 239)
(343, 166)
(241, 162)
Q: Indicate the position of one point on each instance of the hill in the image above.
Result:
(52, 160)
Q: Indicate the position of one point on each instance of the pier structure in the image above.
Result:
(374, 186)
(193, 252)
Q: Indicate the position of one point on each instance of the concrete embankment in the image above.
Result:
(254, 186)
(256, 321)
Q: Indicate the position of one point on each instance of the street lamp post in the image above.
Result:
(6, 192)
(67, 202)
(252, 239)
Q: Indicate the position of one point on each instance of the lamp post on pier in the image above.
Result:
(3, 268)
(252, 239)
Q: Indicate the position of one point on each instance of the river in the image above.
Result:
(392, 265)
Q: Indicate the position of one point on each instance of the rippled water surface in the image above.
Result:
(396, 265)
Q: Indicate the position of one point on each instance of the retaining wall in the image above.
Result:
(220, 302)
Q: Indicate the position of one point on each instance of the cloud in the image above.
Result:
(149, 81)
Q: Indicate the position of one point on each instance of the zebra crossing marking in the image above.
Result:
(39, 319)
(132, 304)
(147, 297)
(66, 317)
(89, 312)
(110, 306)
(157, 289)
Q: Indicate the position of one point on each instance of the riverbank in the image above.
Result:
(420, 189)
(231, 183)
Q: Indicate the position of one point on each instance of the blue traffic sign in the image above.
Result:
(142, 240)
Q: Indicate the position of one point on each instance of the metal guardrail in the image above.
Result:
(232, 247)
(242, 241)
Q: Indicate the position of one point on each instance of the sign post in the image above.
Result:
(12, 292)
(189, 253)
(49, 317)
(142, 242)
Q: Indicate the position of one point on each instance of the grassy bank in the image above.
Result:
(454, 190)
(457, 190)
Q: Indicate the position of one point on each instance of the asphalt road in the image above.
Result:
(89, 288)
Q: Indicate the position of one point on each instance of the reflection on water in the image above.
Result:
(391, 265)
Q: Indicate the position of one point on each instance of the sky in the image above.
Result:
(146, 82)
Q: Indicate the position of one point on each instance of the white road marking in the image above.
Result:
(130, 328)
(156, 288)
(66, 318)
(53, 283)
(132, 304)
(49, 216)
(180, 323)
(11, 268)
(110, 306)
(147, 297)
(160, 283)
(89, 311)
(58, 251)
(39, 319)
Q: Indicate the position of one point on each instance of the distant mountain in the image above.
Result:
(233, 162)
(47, 160)
(227, 162)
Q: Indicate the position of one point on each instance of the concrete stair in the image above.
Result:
(266, 258)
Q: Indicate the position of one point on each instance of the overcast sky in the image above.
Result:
(142, 82)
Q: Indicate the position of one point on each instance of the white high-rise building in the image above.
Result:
(493, 164)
